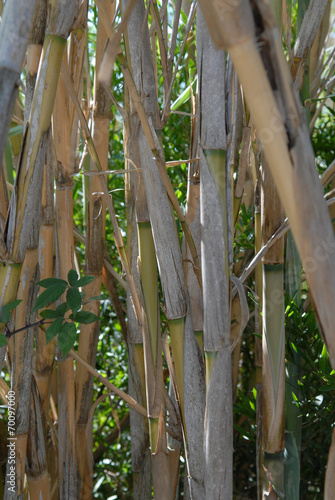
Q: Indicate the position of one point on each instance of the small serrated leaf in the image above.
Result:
(3, 341)
(85, 317)
(12, 304)
(73, 298)
(97, 297)
(51, 282)
(6, 310)
(72, 277)
(50, 295)
(85, 280)
(49, 314)
(62, 308)
(53, 329)
(67, 337)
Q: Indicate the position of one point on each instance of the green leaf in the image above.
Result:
(3, 341)
(184, 96)
(73, 298)
(50, 295)
(97, 297)
(85, 317)
(72, 277)
(49, 314)
(53, 329)
(18, 129)
(6, 309)
(67, 337)
(85, 280)
(52, 282)
(62, 308)
(12, 305)
(9, 162)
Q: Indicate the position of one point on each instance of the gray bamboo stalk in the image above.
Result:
(162, 222)
(215, 273)
(309, 28)
(139, 428)
(14, 35)
(286, 144)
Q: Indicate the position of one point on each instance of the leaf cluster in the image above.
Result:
(64, 319)
(64, 324)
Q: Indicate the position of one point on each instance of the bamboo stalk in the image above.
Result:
(37, 473)
(63, 123)
(137, 214)
(14, 35)
(292, 166)
(216, 293)
(20, 351)
(94, 253)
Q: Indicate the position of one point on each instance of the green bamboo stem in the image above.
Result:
(216, 160)
(199, 335)
(210, 358)
(177, 335)
(258, 347)
(273, 372)
(9, 280)
(148, 275)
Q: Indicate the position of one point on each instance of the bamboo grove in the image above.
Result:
(156, 156)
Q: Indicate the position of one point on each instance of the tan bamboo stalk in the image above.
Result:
(95, 242)
(44, 358)
(215, 269)
(19, 237)
(62, 131)
(289, 154)
(36, 469)
(20, 351)
(36, 466)
(33, 58)
(26, 194)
